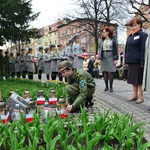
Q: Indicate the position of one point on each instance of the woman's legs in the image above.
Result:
(105, 76)
(111, 79)
(140, 97)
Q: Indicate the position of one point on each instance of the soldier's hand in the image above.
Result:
(68, 109)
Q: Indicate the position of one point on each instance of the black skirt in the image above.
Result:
(135, 74)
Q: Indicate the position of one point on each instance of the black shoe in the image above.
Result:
(111, 90)
(106, 89)
(91, 104)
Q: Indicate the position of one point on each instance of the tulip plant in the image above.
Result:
(105, 131)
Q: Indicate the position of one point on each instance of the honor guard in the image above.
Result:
(54, 58)
(23, 63)
(1, 62)
(40, 62)
(30, 64)
(62, 56)
(17, 65)
(77, 51)
(12, 65)
(6, 65)
(47, 63)
(69, 51)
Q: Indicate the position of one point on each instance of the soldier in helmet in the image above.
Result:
(40, 62)
(80, 88)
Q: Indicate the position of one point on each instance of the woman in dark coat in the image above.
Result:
(108, 54)
(134, 58)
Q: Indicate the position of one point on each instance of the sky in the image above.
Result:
(50, 10)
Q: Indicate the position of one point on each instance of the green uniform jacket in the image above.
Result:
(84, 82)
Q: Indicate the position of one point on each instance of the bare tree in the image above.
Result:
(97, 13)
(136, 8)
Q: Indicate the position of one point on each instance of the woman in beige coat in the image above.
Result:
(146, 78)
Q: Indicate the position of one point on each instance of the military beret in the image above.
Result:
(40, 48)
(6, 52)
(71, 41)
(30, 49)
(76, 35)
(52, 45)
(22, 49)
(64, 64)
(46, 48)
(59, 45)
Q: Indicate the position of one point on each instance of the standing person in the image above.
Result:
(61, 56)
(54, 65)
(146, 78)
(80, 88)
(86, 62)
(12, 65)
(1, 64)
(6, 65)
(23, 63)
(108, 54)
(47, 63)
(40, 62)
(91, 65)
(17, 65)
(78, 53)
(96, 69)
(30, 64)
(134, 58)
(69, 51)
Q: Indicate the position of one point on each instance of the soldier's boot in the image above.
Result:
(54, 81)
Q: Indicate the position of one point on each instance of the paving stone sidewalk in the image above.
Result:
(117, 102)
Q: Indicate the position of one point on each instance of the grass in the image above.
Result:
(20, 86)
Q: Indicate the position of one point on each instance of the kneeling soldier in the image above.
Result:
(80, 88)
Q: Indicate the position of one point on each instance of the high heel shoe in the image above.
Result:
(111, 90)
(106, 89)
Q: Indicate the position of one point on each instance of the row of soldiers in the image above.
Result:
(25, 64)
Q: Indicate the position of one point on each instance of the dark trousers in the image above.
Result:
(12, 74)
(24, 74)
(30, 75)
(18, 74)
(54, 74)
(40, 74)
